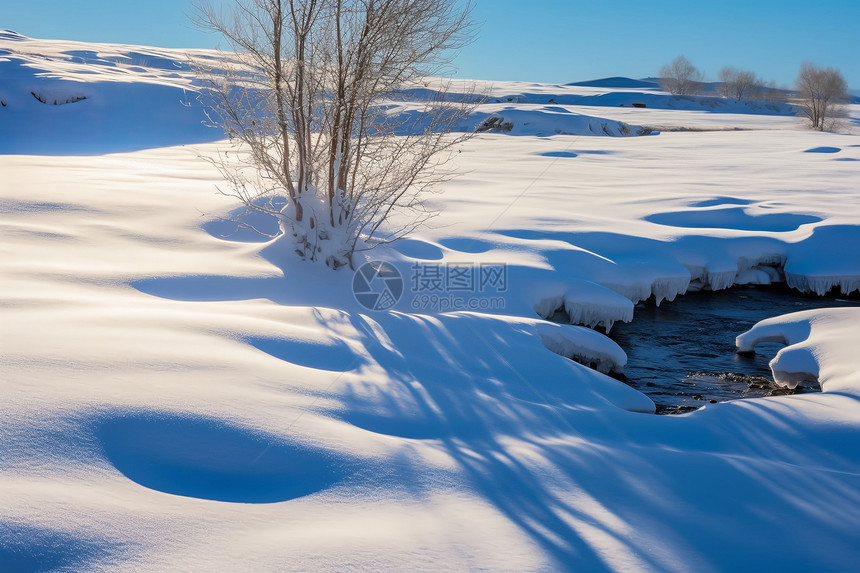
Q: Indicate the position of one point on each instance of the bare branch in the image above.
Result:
(311, 97)
(681, 77)
(822, 91)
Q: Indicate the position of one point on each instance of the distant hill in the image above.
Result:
(617, 82)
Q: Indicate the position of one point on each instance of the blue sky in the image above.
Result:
(540, 40)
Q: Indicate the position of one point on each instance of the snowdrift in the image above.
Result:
(639, 99)
(551, 120)
(75, 98)
(820, 346)
(80, 99)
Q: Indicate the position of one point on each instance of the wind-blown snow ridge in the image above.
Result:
(552, 120)
(583, 345)
(78, 98)
(11, 35)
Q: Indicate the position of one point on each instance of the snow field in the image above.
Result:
(178, 396)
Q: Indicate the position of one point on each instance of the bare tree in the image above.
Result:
(737, 84)
(821, 91)
(768, 92)
(681, 77)
(317, 104)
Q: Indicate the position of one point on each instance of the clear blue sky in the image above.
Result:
(540, 40)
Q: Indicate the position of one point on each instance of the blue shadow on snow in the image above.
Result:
(210, 459)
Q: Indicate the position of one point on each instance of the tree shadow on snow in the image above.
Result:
(499, 409)
(603, 489)
(534, 435)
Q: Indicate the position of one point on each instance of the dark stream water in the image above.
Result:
(682, 354)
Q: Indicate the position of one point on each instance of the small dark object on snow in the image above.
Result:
(494, 123)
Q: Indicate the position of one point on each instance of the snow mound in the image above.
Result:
(719, 201)
(418, 249)
(469, 245)
(245, 224)
(583, 345)
(552, 120)
(11, 36)
(821, 346)
(101, 98)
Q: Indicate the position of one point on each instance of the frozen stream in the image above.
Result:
(682, 353)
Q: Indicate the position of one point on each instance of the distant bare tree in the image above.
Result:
(768, 92)
(821, 92)
(681, 77)
(312, 103)
(737, 84)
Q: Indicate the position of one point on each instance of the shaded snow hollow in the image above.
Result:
(180, 395)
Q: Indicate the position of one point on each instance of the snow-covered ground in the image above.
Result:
(179, 396)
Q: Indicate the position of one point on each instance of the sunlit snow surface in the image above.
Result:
(177, 396)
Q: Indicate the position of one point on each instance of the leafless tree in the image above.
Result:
(317, 104)
(768, 92)
(737, 84)
(821, 92)
(681, 77)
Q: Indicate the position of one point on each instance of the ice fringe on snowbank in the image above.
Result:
(603, 304)
(582, 345)
(820, 346)
(822, 285)
(587, 303)
(722, 272)
(827, 259)
(662, 288)
(720, 280)
(667, 288)
(610, 298)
